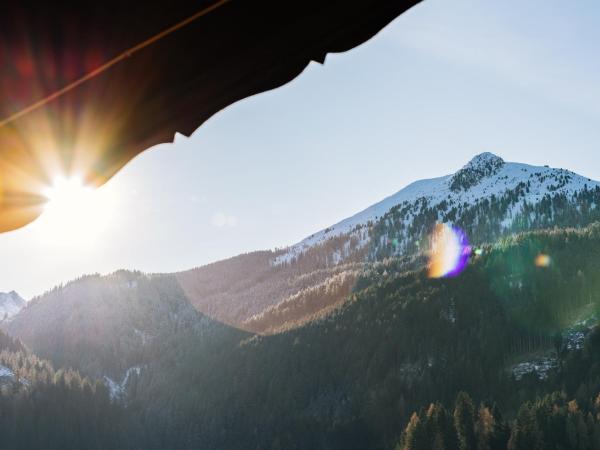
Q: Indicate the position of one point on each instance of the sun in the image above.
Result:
(74, 213)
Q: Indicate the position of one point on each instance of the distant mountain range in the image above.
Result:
(334, 341)
(488, 197)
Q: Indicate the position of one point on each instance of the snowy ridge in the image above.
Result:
(10, 304)
(412, 192)
(486, 175)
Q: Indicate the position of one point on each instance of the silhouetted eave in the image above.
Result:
(173, 85)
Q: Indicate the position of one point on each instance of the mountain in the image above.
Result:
(10, 304)
(488, 197)
(108, 326)
(269, 291)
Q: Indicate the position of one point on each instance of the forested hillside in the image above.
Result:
(566, 419)
(336, 343)
(251, 293)
(350, 378)
(43, 408)
(105, 326)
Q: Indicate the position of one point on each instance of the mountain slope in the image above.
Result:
(488, 198)
(239, 290)
(504, 191)
(345, 381)
(55, 409)
(106, 325)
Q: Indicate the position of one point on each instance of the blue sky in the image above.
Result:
(443, 82)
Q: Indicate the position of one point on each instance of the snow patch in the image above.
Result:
(541, 367)
(117, 389)
(5, 372)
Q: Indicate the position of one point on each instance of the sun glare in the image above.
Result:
(75, 213)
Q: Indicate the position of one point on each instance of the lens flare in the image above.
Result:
(542, 260)
(450, 251)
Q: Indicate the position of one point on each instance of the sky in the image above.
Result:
(443, 82)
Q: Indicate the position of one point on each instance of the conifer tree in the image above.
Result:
(464, 421)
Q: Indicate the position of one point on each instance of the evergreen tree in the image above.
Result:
(464, 421)
(415, 435)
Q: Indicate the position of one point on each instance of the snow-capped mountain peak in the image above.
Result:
(481, 166)
(487, 196)
(484, 159)
(10, 304)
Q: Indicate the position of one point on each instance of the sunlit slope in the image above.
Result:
(249, 292)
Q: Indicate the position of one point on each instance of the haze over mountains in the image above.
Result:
(488, 198)
(334, 341)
